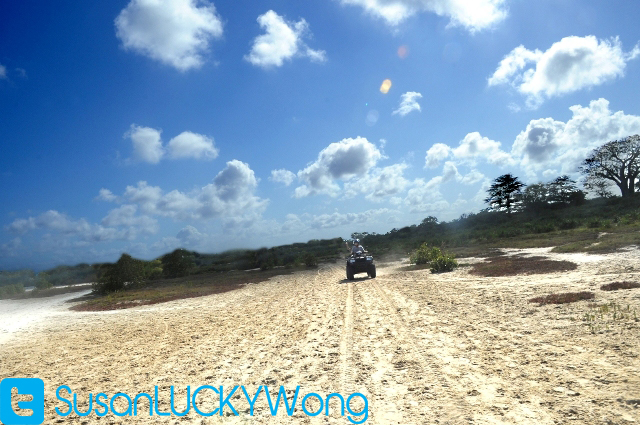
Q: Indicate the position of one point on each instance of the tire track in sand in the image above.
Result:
(437, 397)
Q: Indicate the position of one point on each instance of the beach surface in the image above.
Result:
(424, 348)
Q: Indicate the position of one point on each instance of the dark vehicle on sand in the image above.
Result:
(361, 262)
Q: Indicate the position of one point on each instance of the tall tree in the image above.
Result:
(617, 161)
(503, 192)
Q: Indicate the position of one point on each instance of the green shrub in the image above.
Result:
(177, 264)
(42, 282)
(8, 291)
(424, 254)
(443, 263)
(310, 260)
(127, 271)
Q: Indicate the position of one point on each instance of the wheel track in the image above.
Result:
(426, 366)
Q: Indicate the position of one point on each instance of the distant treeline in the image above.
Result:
(494, 227)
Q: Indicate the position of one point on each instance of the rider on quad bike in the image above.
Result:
(359, 261)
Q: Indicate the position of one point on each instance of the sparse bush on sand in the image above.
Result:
(310, 260)
(438, 261)
(443, 263)
(424, 254)
(614, 286)
(514, 265)
(563, 298)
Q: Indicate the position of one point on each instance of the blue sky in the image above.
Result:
(144, 125)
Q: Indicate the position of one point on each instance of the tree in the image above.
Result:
(177, 264)
(127, 271)
(503, 192)
(617, 161)
(564, 191)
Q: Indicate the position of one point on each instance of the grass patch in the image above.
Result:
(614, 286)
(174, 289)
(515, 265)
(606, 317)
(563, 298)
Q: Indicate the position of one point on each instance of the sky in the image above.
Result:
(141, 126)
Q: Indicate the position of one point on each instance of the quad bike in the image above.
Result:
(360, 263)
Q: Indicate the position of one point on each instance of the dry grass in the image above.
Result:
(174, 289)
(614, 286)
(515, 265)
(563, 298)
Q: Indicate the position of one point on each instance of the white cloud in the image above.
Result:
(379, 183)
(474, 15)
(63, 225)
(3, 72)
(571, 64)
(231, 195)
(282, 42)
(470, 149)
(425, 196)
(336, 219)
(435, 154)
(192, 237)
(192, 145)
(106, 195)
(550, 144)
(282, 176)
(343, 160)
(125, 216)
(475, 146)
(147, 143)
(408, 103)
(175, 32)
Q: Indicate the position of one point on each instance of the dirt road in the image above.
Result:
(424, 349)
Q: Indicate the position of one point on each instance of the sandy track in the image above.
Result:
(423, 348)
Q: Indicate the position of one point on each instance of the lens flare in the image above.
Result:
(386, 85)
(403, 51)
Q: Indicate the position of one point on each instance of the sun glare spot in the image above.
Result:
(386, 85)
(403, 51)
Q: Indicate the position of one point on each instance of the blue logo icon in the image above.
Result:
(33, 387)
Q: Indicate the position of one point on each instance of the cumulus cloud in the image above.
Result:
(324, 221)
(230, 195)
(281, 42)
(379, 183)
(106, 195)
(282, 176)
(54, 221)
(548, 144)
(191, 237)
(472, 148)
(192, 145)
(474, 15)
(174, 32)
(408, 103)
(148, 146)
(343, 160)
(569, 65)
(125, 216)
(435, 154)
(147, 143)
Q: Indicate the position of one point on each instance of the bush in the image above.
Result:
(443, 263)
(127, 271)
(177, 264)
(42, 282)
(310, 260)
(563, 298)
(8, 291)
(424, 254)
(614, 286)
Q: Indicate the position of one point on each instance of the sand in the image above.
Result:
(424, 349)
